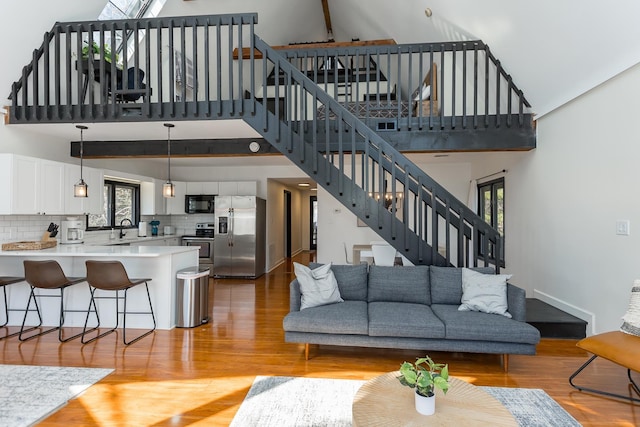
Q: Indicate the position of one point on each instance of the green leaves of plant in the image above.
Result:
(424, 375)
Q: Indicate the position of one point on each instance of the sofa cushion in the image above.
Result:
(352, 280)
(349, 317)
(399, 284)
(395, 319)
(476, 326)
(318, 286)
(484, 292)
(446, 283)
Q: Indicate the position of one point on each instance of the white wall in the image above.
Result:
(564, 200)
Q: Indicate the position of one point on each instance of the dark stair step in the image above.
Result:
(553, 322)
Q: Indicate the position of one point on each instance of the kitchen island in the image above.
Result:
(160, 263)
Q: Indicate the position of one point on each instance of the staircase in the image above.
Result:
(553, 322)
(353, 157)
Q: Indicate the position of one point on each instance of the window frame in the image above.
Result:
(494, 186)
(111, 214)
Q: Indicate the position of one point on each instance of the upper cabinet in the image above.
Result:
(175, 205)
(31, 186)
(94, 202)
(209, 188)
(239, 188)
(152, 202)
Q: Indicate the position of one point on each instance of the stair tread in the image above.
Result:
(539, 311)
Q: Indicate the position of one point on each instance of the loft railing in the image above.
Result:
(379, 184)
(167, 67)
(468, 87)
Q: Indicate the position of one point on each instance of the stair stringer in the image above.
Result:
(340, 186)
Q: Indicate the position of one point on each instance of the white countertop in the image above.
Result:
(102, 251)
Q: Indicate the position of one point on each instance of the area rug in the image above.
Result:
(30, 393)
(296, 401)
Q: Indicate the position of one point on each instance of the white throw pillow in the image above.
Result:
(423, 93)
(484, 292)
(631, 319)
(318, 286)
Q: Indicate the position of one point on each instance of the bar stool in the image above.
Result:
(4, 282)
(112, 276)
(46, 275)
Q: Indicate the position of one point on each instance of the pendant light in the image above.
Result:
(168, 189)
(80, 189)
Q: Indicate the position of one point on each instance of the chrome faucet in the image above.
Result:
(122, 233)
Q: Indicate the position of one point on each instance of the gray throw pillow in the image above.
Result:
(486, 293)
(631, 319)
(317, 286)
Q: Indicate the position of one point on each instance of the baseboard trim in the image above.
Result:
(585, 315)
(276, 265)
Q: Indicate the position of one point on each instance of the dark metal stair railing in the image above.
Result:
(404, 205)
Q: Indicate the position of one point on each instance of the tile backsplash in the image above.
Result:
(14, 228)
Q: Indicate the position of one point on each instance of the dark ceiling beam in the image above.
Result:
(179, 148)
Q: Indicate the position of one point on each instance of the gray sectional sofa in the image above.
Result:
(413, 307)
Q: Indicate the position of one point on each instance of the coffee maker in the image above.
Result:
(72, 231)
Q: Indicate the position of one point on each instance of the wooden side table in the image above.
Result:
(384, 401)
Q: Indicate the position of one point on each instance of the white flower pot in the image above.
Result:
(425, 405)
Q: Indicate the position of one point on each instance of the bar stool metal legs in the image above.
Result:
(112, 276)
(4, 282)
(48, 276)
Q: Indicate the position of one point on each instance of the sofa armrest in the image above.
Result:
(517, 302)
(294, 295)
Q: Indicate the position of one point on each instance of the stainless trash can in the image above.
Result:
(192, 299)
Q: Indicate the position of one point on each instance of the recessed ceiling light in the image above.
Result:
(303, 184)
(313, 189)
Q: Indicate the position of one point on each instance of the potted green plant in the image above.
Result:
(94, 51)
(425, 376)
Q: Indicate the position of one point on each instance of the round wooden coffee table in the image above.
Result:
(384, 401)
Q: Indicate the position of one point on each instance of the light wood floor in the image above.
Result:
(200, 376)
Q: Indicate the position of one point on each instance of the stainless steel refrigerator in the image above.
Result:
(240, 237)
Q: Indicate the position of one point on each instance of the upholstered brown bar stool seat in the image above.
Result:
(112, 276)
(4, 282)
(46, 276)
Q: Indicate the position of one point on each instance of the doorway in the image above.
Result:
(287, 224)
(313, 223)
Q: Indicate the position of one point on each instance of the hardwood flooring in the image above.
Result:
(200, 376)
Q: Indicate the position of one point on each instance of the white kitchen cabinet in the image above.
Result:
(238, 188)
(94, 202)
(173, 241)
(31, 186)
(207, 187)
(152, 202)
(175, 205)
(52, 188)
(247, 188)
(25, 186)
(228, 188)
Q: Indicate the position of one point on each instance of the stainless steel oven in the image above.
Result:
(203, 239)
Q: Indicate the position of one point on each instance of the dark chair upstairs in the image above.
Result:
(135, 86)
(112, 276)
(46, 276)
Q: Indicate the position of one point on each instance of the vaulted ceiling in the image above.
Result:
(555, 50)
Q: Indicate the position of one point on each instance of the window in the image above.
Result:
(491, 209)
(121, 202)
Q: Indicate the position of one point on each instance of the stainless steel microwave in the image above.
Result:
(199, 203)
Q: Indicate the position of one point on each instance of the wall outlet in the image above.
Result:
(623, 227)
